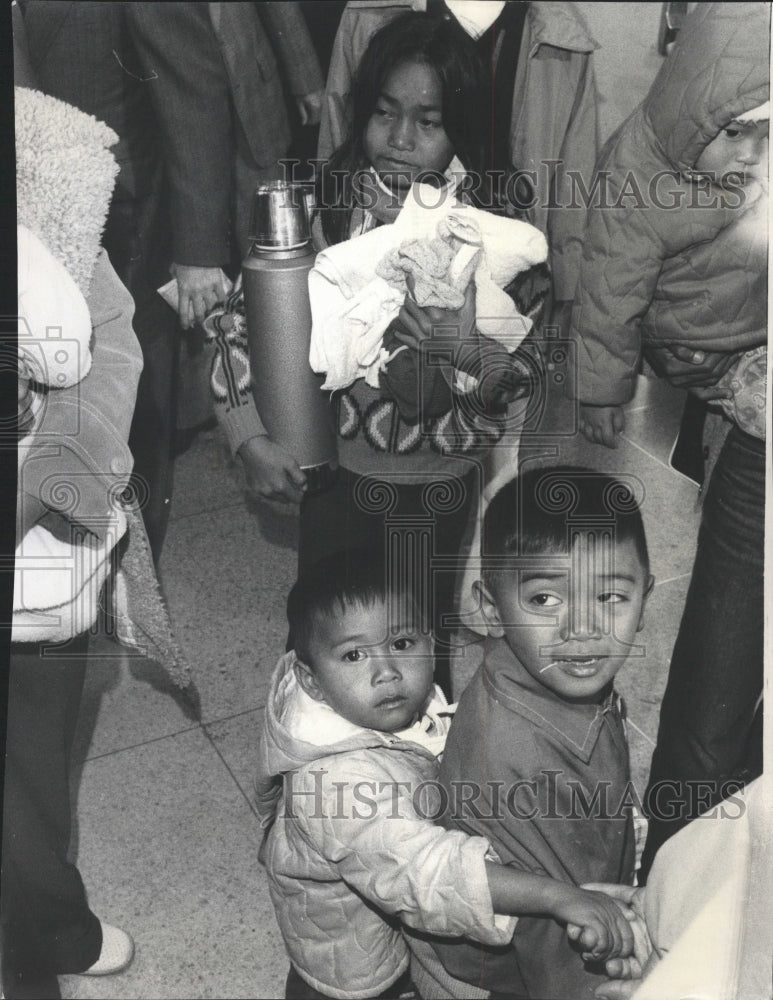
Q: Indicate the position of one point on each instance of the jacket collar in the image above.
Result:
(575, 727)
(558, 25)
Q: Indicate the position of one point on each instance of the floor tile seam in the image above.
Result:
(649, 454)
(235, 715)
(641, 732)
(250, 804)
(206, 510)
(144, 743)
(673, 579)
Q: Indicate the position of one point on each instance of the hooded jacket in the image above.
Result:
(350, 851)
(665, 261)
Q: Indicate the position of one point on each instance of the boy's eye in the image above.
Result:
(403, 643)
(354, 655)
(732, 133)
(611, 598)
(430, 123)
(381, 112)
(545, 600)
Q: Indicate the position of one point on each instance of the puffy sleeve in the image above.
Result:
(379, 837)
(621, 265)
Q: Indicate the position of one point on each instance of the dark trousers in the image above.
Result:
(708, 736)
(423, 522)
(47, 926)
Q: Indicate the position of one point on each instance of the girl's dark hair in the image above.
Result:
(440, 43)
(541, 510)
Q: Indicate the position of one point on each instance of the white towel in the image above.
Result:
(351, 306)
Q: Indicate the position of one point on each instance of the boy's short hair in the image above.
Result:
(361, 576)
(543, 509)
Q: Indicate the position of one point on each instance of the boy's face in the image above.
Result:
(371, 664)
(740, 149)
(570, 619)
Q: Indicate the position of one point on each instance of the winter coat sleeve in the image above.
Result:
(375, 835)
(80, 457)
(579, 150)
(621, 265)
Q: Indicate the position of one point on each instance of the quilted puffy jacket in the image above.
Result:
(664, 259)
(344, 834)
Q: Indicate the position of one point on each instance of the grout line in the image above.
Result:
(143, 743)
(648, 454)
(673, 579)
(207, 510)
(236, 715)
(250, 804)
(640, 732)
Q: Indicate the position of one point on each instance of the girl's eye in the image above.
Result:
(380, 112)
(354, 655)
(732, 133)
(546, 600)
(403, 643)
(611, 598)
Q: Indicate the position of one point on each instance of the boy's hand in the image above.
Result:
(602, 424)
(272, 473)
(600, 925)
(632, 899)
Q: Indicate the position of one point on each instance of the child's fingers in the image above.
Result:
(406, 338)
(593, 939)
(412, 319)
(573, 931)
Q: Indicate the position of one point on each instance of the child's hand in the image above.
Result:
(698, 371)
(416, 322)
(600, 925)
(602, 424)
(631, 898)
(272, 473)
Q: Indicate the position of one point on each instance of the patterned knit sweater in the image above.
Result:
(373, 437)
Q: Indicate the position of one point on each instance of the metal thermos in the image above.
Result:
(295, 411)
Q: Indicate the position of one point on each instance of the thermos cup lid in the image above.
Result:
(281, 215)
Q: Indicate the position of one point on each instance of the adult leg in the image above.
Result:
(715, 678)
(47, 926)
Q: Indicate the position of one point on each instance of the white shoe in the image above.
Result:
(117, 952)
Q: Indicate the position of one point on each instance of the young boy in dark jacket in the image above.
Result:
(537, 758)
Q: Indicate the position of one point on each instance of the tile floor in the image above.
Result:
(166, 836)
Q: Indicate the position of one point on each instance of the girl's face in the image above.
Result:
(405, 135)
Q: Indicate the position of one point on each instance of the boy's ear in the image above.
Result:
(488, 607)
(307, 680)
(648, 588)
